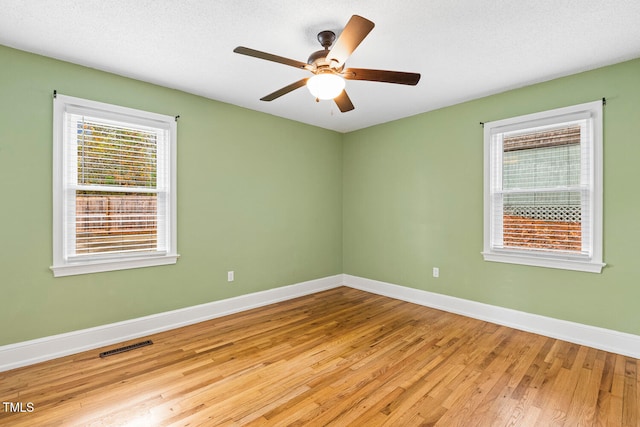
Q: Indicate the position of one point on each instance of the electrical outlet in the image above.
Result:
(436, 272)
(230, 276)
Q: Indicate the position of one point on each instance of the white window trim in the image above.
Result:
(592, 264)
(66, 267)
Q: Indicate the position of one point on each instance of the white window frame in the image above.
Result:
(592, 262)
(64, 263)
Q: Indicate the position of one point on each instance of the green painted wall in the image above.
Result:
(270, 198)
(256, 194)
(413, 201)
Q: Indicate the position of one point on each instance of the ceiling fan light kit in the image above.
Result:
(325, 86)
(327, 66)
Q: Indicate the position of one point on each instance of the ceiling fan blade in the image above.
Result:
(344, 102)
(285, 90)
(398, 77)
(354, 32)
(270, 57)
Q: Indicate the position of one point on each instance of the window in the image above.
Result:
(114, 187)
(543, 189)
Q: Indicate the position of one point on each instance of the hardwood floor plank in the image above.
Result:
(339, 357)
(630, 396)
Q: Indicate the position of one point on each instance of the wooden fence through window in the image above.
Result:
(116, 223)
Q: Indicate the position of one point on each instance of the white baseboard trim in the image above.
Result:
(39, 350)
(591, 336)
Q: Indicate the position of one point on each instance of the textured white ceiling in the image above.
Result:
(464, 49)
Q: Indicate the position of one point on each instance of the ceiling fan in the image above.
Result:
(327, 66)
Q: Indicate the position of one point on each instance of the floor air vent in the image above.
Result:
(125, 348)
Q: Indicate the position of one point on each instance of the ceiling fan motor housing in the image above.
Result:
(318, 58)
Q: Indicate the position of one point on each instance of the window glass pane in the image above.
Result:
(549, 221)
(542, 159)
(115, 155)
(115, 222)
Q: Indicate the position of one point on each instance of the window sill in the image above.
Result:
(564, 264)
(95, 266)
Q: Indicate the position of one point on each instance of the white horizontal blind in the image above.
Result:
(541, 189)
(116, 187)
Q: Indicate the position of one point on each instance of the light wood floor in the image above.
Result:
(340, 357)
